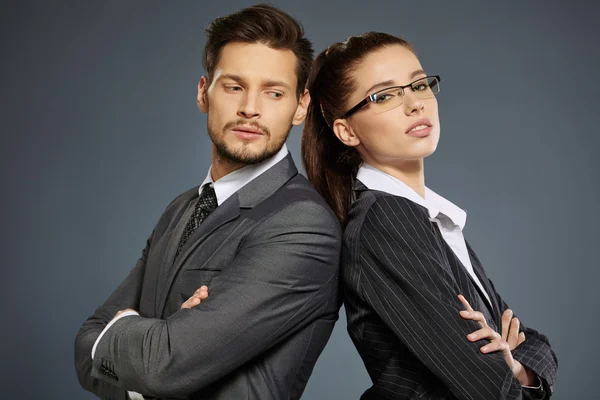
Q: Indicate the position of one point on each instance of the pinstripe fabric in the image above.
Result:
(400, 284)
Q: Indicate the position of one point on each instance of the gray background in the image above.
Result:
(100, 131)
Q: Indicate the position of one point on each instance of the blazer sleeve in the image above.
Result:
(127, 295)
(406, 279)
(284, 276)
(535, 353)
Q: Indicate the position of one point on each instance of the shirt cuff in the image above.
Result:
(135, 396)
(539, 387)
(125, 314)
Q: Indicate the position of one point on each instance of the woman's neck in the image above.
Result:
(409, 172)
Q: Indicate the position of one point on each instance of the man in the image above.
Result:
(255, 234)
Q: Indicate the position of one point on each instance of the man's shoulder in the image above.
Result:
(299, 193)
(297, 199)
(184, 197)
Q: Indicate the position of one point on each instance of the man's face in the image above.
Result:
(251, 101)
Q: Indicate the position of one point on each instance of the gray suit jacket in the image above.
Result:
(270, 257)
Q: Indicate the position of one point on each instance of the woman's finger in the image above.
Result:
(506, 318)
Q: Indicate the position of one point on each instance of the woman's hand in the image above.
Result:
(498, 342)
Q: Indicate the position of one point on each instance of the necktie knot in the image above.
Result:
(208, 198)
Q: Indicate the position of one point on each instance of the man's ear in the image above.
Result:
(202, 98)
(302, 108)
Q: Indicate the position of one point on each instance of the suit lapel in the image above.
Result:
(173, 233)
(478, 268)
(455, 268)
(223, 214)
(248, 196)
(465, 283)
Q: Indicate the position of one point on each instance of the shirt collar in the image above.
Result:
(376, 179)
(234, 181)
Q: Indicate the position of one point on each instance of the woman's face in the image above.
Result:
(387, 137)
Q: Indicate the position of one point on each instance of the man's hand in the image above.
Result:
(196, 298)
(497, 342)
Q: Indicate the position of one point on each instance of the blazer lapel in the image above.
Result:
(455, 268)
(478, 268)
(223, 214)
(248, 196)
(185, 206)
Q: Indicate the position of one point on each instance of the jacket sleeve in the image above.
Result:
(536, 354)
(127, 295)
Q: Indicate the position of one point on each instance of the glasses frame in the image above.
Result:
(373, 96)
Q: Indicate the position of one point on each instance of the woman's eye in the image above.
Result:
(383, 98)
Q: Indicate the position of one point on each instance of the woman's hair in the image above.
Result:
(330, 165)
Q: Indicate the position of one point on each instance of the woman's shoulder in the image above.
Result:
(380, 208)
(376, 201)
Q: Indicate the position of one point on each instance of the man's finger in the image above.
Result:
(202, 292)
(506, 318)
(191, 302)
(521, 338)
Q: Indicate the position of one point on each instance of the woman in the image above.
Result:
(372, 121)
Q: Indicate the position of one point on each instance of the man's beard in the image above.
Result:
(244, 155)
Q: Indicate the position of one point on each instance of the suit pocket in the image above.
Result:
(197, 276)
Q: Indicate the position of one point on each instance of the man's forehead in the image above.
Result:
(256, 61)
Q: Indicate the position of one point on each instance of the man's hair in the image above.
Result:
(264, 24)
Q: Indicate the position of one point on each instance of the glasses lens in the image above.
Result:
(426, 87)
(386, 100)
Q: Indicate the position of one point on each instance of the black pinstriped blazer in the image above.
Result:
(400, 282)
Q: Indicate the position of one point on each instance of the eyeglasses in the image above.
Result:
(392, 97)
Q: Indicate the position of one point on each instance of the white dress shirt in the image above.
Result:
(234, 181)
(224, 188)
(449, 218)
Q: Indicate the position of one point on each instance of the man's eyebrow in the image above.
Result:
(274, 83)
(264, 83)
(233, 77)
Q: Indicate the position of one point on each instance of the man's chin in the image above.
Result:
(245, 155)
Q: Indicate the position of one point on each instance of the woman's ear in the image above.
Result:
(343, 130)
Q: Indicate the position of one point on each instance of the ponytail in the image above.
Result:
(330, 165)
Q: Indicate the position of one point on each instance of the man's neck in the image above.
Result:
(221, 166)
